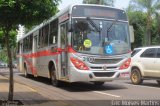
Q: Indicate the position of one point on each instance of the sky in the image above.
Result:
(119, 3)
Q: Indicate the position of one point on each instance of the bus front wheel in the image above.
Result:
(158, 81)
(53, 77)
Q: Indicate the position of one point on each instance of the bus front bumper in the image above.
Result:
(91, 76)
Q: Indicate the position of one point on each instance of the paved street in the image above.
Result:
(23, 93)
(85, 93)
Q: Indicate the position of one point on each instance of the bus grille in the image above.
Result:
(101, 68)
(106, 74)
(107, 61)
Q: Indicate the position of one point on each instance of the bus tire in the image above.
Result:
(98, 83)
(25, 71)
(158, 81)
(53, 77)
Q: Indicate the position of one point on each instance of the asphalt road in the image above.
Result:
(118, 92)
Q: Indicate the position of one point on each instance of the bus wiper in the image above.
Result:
(110, 27)
(98, 29)
(93, 24)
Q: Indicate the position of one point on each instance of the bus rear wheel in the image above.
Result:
(25, 71)
(53, 78)
(158, 81)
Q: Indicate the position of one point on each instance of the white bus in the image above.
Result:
(81, 43)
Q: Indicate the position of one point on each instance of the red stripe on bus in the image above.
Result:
(44, 53)
(36, 55)
(48, 53)
(40, 54)
(33, 69)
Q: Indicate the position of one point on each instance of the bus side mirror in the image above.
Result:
(70, 29)
(131, 31)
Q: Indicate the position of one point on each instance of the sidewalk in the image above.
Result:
(26, 94)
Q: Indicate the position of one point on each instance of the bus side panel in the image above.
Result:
(43, 61)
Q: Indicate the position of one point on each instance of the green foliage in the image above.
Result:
(26, 12)
(138, 20)
(2, 39)
(156, 30)
(101, 2)
(12, 39)
(3, 55)
(150, 7)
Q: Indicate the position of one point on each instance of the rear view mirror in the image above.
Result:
(131, 31)
(70, 29)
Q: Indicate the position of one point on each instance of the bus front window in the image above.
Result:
(100, 37)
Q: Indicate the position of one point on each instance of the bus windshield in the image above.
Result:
(100, 37)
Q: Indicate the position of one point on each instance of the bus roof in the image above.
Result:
(63, 11)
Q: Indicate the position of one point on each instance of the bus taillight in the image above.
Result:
(126, 64)
(79, 64)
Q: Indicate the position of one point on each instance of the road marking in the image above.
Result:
(106, 94)
(143, 86)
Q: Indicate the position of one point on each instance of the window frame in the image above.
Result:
(135, 52)
(146, 50)
(28, 43)
(158, 50)
(53, 33)
(43, 36)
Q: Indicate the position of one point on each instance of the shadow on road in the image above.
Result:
(79, 86)
(37, 79)
(26, 98)
(22, 95)
(146, 83)
(82, 87)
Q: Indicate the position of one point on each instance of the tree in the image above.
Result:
(138, 20)
(101, 2)
(150, 7)
(158, 27)
(3, 50)
(26, 12)
(12, 39)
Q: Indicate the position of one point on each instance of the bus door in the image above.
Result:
(63, 46)
(20, 61)
(35, 43)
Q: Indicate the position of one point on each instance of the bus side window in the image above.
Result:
(39, 38)
(18, 48)
(24, 45)
(43, 36)
(30, 42)
(27, 43)
(53, 32)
